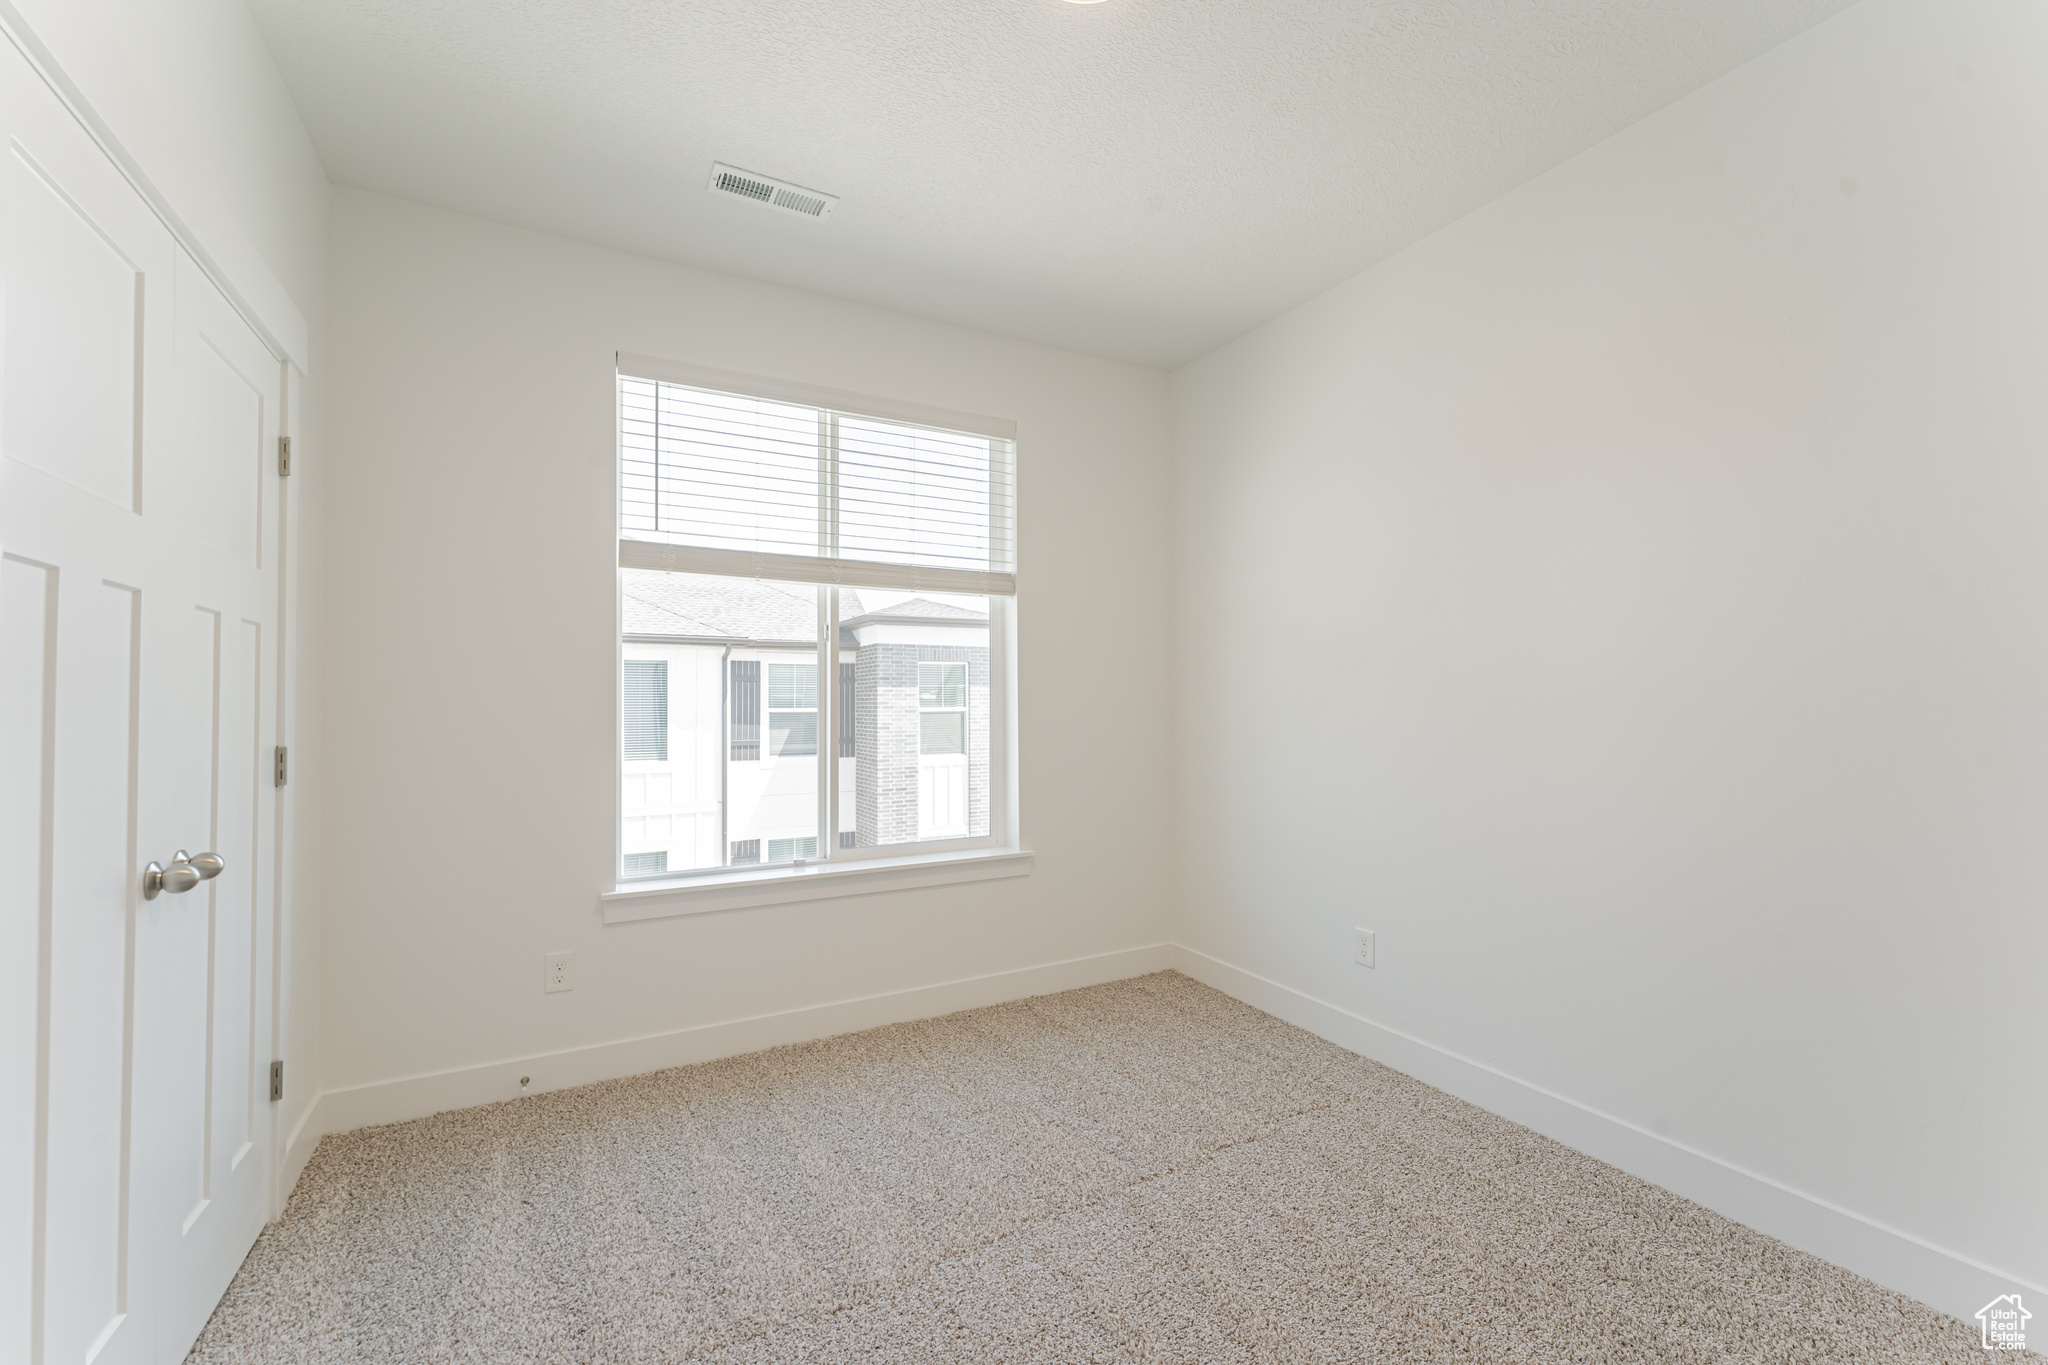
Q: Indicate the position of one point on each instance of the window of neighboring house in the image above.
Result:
(788, 850)
(942, 708)
(646, 710)
(792, 711)
(813, 616)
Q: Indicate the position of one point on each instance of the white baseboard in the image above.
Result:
(1941, 1279)
(418, 1096)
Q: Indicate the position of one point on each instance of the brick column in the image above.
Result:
(885, 745)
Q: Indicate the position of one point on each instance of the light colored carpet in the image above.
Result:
(1143, 1171)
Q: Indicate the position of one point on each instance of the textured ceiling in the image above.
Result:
(1142, 179)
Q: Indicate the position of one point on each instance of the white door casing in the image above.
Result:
(139, 599)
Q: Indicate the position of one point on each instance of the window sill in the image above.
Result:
(824, 881)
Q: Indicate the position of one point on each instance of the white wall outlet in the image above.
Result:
(561, 973)
(1368, 954)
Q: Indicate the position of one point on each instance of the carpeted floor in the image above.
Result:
(1143, 1171)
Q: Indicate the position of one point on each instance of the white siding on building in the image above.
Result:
(774, 797)
(670, 806)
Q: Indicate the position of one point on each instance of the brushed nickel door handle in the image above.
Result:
(185, 872)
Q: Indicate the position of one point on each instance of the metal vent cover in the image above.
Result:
(776, 194)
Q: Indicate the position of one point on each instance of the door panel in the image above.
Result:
(172, 960)
(942, 796)
(228, 420)
(87, 1208)
(28, 698)
(239, 1034)
(71, 329)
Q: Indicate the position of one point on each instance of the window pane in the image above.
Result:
(793, 734)
(941, 684)
(732, 773)
(910, 495)
(921, 703)
(717, 470)
(942, 732)
(727, 472)
(646, 710)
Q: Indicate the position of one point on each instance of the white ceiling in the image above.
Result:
(1141, 179)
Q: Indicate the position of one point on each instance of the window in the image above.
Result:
(647, 710)
(813, 596)
(942, 708)
(792, 710)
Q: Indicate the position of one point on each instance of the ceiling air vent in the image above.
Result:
(776, 194)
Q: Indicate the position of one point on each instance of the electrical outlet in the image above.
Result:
(561, 973)
(1368, 955)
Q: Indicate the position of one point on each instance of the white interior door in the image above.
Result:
(138, 646)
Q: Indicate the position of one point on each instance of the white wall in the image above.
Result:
(472, 536)
(1632, 603)
(191, 93)
(205, 71)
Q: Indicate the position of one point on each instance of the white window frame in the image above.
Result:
(835, 871)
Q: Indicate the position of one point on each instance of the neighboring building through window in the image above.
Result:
(735, 753)
(914, 729)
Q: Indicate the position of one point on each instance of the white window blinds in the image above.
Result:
(761, 485)
(646, 710)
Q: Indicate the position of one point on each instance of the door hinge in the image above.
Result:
(276, 1082)
(284, 457)
(278, 775)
